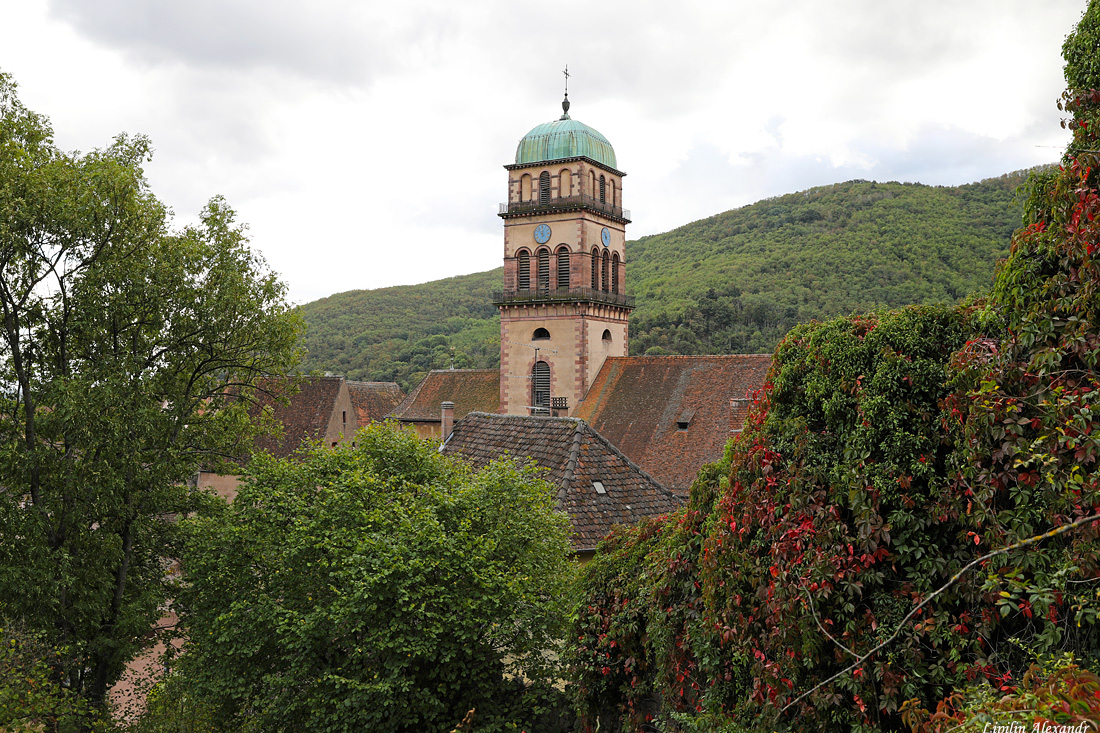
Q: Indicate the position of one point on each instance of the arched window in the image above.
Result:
(525, 187)
(614, 193)
(606, 337)
(563, 266)
(524, 258)
(595, 268)
(592, 183)
(540, 334)
(544, 188)
(540, 385)
(565, 183)
(544, 269)
(603, 189)
(606, 270)
(615, 273)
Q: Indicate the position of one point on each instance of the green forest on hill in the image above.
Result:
(397, 334)
(732, 283)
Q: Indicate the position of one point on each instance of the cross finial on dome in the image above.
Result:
(565, 102)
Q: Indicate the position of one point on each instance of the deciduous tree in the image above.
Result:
(127, 353)
(379, 587)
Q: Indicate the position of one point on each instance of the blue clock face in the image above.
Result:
(605, 235)
(542, 233)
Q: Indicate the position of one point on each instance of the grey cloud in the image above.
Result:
(662, 57)
(707, 181)
(316, 40)
(945, 157)
(893, 39)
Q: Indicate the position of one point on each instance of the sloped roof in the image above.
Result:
(575, 456)
(306, 417)
(373, 400)
(636, 402)
(472, 390)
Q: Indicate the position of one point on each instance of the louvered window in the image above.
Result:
(541, 384)
(595, 269)
(606, 270)
(544, 188)
(603, 189)
(524, 270)
(544, 269)
(563, 267)
(615, 273)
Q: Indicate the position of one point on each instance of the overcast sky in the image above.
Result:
(363, 141)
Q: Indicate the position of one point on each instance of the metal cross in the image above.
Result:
(566, 72)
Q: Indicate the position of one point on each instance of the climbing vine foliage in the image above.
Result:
(885, 454)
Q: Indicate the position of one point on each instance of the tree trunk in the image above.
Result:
(105, 659)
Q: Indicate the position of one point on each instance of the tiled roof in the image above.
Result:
(575, 456)
(472, 390)
(639, 403)
(374, 400)
(306, 417)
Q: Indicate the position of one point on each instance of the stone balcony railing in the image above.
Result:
(562, 295)
(564, 202)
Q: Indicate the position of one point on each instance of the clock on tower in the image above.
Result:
(563, 306)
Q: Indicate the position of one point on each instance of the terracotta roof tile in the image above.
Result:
(374, 400)
(639, 403)
(575, 456)
(472, 390)
(306, 417)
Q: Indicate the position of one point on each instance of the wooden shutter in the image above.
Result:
(544, 269)
(544, 188)
(524, 270)
(541, 384)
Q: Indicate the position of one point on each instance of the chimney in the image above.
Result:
(737, 414)
(447, 419)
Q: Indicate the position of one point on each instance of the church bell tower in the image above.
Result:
(563, 308)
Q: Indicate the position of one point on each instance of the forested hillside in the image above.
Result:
(738, 281)
(732, 283)
(397, 334)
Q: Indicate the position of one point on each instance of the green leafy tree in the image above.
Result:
(1080, 51)
(127, 354)
(379, 587)
(31, 698)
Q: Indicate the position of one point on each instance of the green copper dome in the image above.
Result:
(564, 138)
